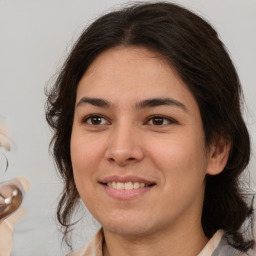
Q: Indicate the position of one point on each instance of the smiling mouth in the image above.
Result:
(127, 185)
(126, 188)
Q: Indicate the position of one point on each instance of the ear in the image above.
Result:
(218, 156)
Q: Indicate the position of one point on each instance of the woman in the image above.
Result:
(148, 133)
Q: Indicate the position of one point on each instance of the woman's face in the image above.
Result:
(137, 146)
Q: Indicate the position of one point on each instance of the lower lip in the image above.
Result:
(126, 194)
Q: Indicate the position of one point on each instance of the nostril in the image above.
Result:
(122, 161)
(111, 159)
(131, 159)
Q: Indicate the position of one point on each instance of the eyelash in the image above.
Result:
(165, 120)
(90, 117)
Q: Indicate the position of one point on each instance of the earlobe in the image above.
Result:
(218, 156)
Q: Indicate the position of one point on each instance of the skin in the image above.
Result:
(125, 140)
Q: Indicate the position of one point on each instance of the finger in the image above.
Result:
(11, 221)
(6, 240)
(24, 182)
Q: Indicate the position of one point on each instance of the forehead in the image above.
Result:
(130, 62)
(132, 73)
(127, 55)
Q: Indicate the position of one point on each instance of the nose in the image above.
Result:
(124, 146)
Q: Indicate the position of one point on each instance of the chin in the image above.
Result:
(127, 225)
(126, 231)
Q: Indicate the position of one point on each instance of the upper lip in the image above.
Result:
(125, 179)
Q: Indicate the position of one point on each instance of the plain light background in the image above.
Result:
(35, 38)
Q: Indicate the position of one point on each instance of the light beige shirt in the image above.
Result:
(94, 248)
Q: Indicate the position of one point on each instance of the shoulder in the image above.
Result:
(80, 252)
(93, 248)
(248, 231)
(224, 249)
(218, 246)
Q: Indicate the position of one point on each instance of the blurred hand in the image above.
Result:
(7, 225)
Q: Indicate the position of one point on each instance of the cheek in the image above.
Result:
(86, 155)
(80, 155)
(180, 158)
(85, 151)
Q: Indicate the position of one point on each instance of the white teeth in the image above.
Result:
(136, 185)
(119, 185)
(127, 185)
(114, 184)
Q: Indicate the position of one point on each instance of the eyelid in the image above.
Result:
(150, 118)
(169, 119)
(86, 118)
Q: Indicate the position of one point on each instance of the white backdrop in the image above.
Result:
(35, 38)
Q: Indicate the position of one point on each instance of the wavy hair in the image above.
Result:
(192, 47)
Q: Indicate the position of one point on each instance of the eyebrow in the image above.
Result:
(148, 103)
(98, 102)
(156, 102)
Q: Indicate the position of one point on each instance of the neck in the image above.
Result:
(188, 242)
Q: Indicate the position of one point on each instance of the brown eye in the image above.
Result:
(157, 121)
(160, 121)
(95, 120)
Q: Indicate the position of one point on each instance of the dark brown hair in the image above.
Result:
(193, 49)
